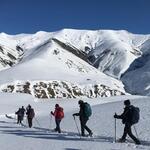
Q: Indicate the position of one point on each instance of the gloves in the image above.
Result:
(115, 116)
(52, 113)
(73, 115)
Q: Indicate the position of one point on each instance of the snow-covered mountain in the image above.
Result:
(48, 68)
(71, 63)
(10, 52)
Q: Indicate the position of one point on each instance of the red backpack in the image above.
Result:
(59, 113)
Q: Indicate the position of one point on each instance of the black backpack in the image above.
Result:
(135, 115)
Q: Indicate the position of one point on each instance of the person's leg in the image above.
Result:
(57, 121)
(82, 127)
(132, 136)
(87, 129)
(17, 119)
(123, 138)
(56, 129)
(20, 121)
(58, 125)
(30, 122)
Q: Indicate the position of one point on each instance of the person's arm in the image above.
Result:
(76, 114)
(52, 113)
(16, 112)
(122, 116)
(118, 116)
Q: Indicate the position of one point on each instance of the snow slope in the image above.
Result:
(39, 137)
(49, 62)
(137, 77)
(10, 52)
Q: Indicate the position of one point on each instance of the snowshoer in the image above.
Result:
(84, 115)
(19, 116)
(22, 111)
(127, 117)
(30, 115)
(59, 115)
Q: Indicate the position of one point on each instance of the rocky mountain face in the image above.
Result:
(75, 58)
(9, 56)
(59, 89)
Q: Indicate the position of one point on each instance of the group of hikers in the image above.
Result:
(29, 112)
(129, 117)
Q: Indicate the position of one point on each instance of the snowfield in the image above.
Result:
(41, 136)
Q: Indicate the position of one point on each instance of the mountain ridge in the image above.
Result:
(111, 52)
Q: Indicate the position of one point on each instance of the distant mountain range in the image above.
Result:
(75, 63)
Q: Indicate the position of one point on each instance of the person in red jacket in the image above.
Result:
(59, 115)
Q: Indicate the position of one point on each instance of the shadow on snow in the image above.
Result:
(44, 133)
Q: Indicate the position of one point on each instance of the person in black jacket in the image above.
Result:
(30, 115)
(22, 111)
(83, 119)
(19, 116)
(126, 119)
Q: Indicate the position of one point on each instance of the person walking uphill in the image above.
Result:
(128, 118)
(22, 112)
(19, 116)
(59, 115)
(30, 115)
(84, 114)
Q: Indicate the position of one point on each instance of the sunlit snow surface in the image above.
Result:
(41, 137)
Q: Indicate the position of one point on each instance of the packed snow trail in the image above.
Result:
(41, 136)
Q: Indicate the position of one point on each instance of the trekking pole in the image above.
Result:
(135, 131)
(37, 122)
(77, 126)
(50, 121)
(25, 120)
(115, 131)
(15, 118)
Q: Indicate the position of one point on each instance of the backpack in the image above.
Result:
(135, 115)
(31, 113)
(87, 110)
(60, 113)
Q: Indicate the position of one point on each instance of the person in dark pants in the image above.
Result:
(22, 112)
(19, 116)
(59, 115)
(30, 115)
(126, 119)
(83, 119)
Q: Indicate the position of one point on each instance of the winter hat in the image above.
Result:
(56, 105)
(127, 102)
(29, 106)
(80, 102)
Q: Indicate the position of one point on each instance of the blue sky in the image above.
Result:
(30, 16)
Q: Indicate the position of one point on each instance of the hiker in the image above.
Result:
(84, 115)
(30, 115)
(22, 111)
(126, 117)
(19, 116)
(59, 115)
